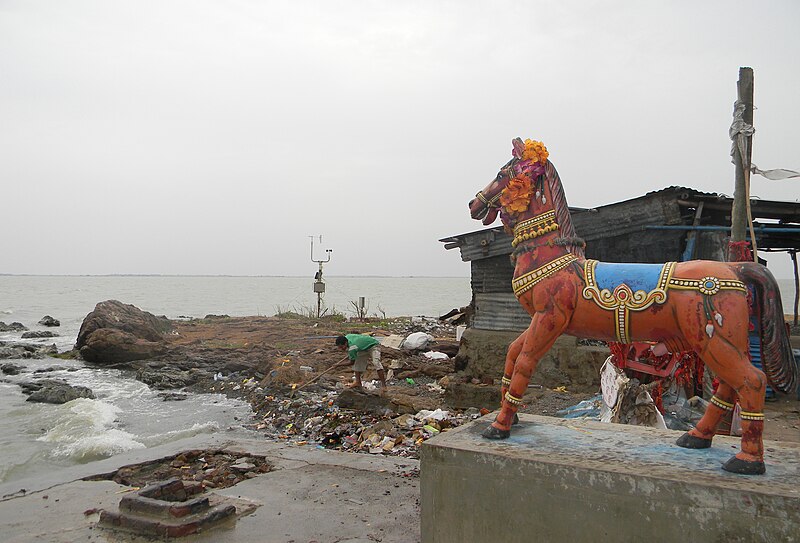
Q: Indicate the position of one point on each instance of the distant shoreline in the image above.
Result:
(227, 275)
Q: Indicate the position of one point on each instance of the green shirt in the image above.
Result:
(359, 342)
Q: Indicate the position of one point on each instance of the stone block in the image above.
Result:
(166, 509)
(585, 481)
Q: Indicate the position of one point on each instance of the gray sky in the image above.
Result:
(199, 137)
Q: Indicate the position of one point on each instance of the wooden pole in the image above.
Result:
(339, 364)
(793, 254)
(741, 194)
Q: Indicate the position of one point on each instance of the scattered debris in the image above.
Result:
(211, 468)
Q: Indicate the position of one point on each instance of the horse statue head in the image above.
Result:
(528, 196)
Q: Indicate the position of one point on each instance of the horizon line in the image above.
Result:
(221, 275)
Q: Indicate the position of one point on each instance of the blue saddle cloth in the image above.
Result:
(609, 275)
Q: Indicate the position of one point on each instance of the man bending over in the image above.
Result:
(361, 349)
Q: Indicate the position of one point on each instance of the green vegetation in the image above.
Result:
(67, 355)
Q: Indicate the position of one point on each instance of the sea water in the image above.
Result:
(127, 414)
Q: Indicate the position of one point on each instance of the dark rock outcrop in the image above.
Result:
(115, 332)
(54, 391)
(168, 378)
(26, 350)
(47, 320)
(10, 369)
(13, 327)
(38, 334)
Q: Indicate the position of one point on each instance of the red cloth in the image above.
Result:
(739, 251)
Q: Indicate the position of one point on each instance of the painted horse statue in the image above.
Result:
(699, 305)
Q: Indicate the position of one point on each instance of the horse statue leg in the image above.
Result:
(737, 377)
(700, 436)
(540, 336)
(511, 360)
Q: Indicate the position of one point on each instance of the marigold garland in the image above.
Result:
(535, 151)
(516, 197)
(531, 157)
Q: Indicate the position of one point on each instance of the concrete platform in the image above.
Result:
(584, 481)
(311, 495)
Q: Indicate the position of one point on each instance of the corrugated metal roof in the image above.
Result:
(486, 243)
(662, 207)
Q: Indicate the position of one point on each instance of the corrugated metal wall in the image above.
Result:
(498, 311)
(496, 307)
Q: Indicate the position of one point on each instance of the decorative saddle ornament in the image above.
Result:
(623, 288)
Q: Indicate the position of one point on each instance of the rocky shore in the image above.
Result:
(288, 369)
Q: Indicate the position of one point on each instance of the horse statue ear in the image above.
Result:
(519, 147)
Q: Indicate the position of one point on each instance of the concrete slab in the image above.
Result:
(311, 495)
(567, 480)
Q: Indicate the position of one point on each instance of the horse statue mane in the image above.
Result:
(699, 306)
(563, 216)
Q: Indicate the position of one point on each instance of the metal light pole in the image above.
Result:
(319, 283)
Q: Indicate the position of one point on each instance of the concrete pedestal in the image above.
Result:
(584, 481)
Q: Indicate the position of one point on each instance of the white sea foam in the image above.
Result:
(196, 429)
(83, 430)
(94, 447)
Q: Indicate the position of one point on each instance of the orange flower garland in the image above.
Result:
(535, 151)
(531, 157)
(516, 197)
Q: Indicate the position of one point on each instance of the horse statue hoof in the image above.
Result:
(495, 433)
(688, 441)
(743, 467)
(516, 420)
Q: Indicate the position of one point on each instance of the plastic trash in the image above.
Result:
(417, 340)
(438, 414)
(587, 409)
(370, 385)
(680, 413)
(410, 381)
(435, 355)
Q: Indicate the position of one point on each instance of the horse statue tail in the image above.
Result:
(776, 352)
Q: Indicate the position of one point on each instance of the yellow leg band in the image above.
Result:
(746, 415)
(722, 404)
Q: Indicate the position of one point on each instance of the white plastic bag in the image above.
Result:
(417, 340)
(435, 355)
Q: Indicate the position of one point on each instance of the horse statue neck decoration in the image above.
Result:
(699, 306)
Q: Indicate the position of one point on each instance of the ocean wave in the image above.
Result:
(82, 430)
(95, 447)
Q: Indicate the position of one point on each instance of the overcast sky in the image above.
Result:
(200, 137)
